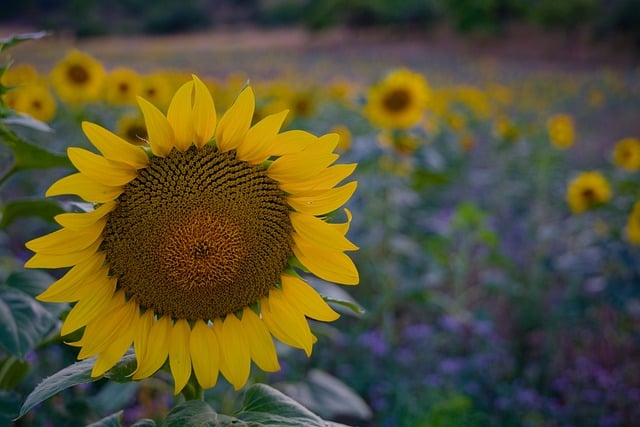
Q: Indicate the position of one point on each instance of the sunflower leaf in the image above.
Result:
(45, 209)
(35, 321)
(29, 156)
(113, 420)
(193, 413)
(13, 40)
(145, 422)
(78, 373)
(265, 406)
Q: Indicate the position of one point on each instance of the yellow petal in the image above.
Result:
(115, 148)
(292, 141)
(157, 350)
(120, 344)
(64, 240)
(343, 228)
(216, 327)
(235, 352)
(262, 348)
(104, 328)
(205, 354)
(235, 122)
(80, 220)
(161, 138)
(101, 169)
(314, 231)
(204, 114)
(285, 322)
(87, 189)
(41, 260)
(179, 116)
(179, 355)
(255, 147)
(76, 282)
(306, 299)
(333, 266)
(322, 202)
(302, 165)
(91, 305)
(326, 179)
(141, 337)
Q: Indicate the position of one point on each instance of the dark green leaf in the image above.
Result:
(327, 396)
(9, 405)
(352, 306)
(8, 329)
(35, 321)
(113, 420)
(45, 209)
(78, 373)
(12, 371)
(114, 396)
(29, 156)
(192, 413)
(31, 282)
(337, 296)
(266, 406)
(7, 42)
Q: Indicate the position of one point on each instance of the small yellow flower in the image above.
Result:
(587, 190)
(78, 78)
(505, 129)
(35, 100)
(133, 129)
(626, 154)
(122, 85)
(398, 101)
(345, 137)
(561, 131)
(156, 88)
(633, 225)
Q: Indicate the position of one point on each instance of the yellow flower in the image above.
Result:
(133, 129)
(36, 100)
(156, 88)
(398, 101)
(78, 78)
(587, 190)
(19, 74)
(561, 131)
(626, 154)
(345, 137)
(633, 225)
(505, 129)
(122, 85)
(196, 244)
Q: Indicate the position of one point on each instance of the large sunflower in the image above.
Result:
(195, 247)
(398, 101)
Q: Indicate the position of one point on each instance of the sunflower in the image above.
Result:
(121, 86)
(587, 190)
(133, 129)
(633, 225)
(398, 101)
(197, 246)
(626, 154)
(561, 131)
(36, 100)
(78, 77)
(156, 88)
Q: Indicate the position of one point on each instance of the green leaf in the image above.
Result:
(27, 122)
(35, 321)
(45, 209)
(9, 404)
(7, 42)
(113, 420)
(78, 373)
(328, 396)
(29, 156)
(12, 371)
(31, 282)
(266, 406)
(337, 296)
(351, 305)
(192, 413)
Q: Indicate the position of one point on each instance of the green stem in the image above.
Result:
(193, 390)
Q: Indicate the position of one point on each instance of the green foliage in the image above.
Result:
(568, 14)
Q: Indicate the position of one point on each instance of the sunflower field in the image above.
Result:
(201, 232)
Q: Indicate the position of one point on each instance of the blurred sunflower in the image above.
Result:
(398, 101)
(192, 249)
(156, 88)
(626, 154)
(561, 131)
(133, 129)
(121, 86)
(78, 77)
(36, 100)
(633, 225)
(587, 190)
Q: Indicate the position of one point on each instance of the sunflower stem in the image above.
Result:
(193, 390)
